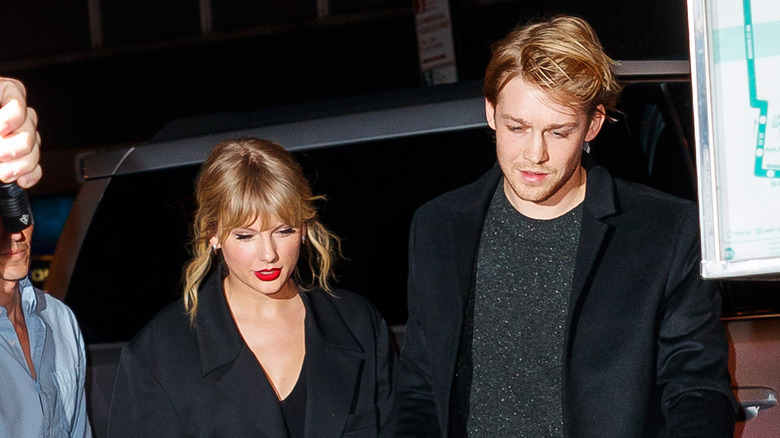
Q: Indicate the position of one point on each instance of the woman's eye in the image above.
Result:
(286, 231)
(243, 236)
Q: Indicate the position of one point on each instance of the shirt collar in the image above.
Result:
(29, 297)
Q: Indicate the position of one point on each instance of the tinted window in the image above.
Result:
(133, 253)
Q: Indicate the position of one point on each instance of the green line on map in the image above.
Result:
(761, 105)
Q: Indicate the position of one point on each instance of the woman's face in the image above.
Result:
(262, 260)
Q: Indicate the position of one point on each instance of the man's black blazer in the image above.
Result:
(645, 354)
(178, 380)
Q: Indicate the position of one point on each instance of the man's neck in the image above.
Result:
(11, 299)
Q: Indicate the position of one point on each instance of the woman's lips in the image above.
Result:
(268, 274)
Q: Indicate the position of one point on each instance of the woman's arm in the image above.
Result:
(140, 406)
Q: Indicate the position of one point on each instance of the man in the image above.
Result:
(42, 361)
(548, 299)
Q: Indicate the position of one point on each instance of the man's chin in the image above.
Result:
(14, 275)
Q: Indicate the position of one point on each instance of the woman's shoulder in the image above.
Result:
(344, 300)
(354, 308)
(169, 329)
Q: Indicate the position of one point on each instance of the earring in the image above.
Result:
(214, 247)
(303, 239)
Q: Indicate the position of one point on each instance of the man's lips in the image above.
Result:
(13, 252)
(268, 274)
(533, 177)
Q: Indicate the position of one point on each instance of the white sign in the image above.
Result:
(434, 41)
(735, 60)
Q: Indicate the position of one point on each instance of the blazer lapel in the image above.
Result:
(599, 204)
(226, 359)
(334, 361)
(454, 276)
(464, 232)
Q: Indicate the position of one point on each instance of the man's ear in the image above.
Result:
(596, 122)
(490, 114)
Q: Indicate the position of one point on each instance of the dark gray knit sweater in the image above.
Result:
(518, 312)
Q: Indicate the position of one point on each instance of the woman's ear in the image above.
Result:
(214, 242)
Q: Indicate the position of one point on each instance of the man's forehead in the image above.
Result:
(517, 91)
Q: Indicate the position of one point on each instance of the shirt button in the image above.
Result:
(13, 343)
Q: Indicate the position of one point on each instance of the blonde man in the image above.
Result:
(548, 298)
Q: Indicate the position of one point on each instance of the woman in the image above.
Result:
(255, 349)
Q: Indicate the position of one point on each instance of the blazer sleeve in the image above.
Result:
(140, 405)
(414, 413)
(693, 349)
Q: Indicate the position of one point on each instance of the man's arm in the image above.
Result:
(414, 413)
(20, 143)
(693, 349)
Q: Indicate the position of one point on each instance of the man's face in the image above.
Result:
(14, 254)
(539, 148)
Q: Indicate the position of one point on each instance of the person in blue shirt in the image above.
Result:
(42, 360)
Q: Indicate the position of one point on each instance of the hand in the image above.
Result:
(20, 142)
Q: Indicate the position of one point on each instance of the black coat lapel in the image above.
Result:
(600, 203)
(229, 361)
(453, 278)
(334, 364)
(464, 233)
(245, 383)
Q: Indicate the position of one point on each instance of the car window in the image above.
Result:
(132, 256)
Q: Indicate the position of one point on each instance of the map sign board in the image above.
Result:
(735, 60)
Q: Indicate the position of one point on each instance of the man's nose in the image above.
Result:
(536, 151)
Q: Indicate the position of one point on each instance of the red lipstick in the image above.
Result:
(268, 274)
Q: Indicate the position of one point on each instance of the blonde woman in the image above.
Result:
(260, 345)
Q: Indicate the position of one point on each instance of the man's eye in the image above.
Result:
(517, 128)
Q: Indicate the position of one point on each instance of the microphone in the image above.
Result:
(15, 210)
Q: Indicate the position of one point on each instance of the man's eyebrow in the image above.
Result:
(515, 119)
(523, 122)
(562, 125)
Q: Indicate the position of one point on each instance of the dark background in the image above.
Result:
(151, 63)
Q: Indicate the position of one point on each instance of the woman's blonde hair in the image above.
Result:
(246, 179)
(561, 56)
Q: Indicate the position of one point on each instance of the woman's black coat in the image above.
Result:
(175, 379)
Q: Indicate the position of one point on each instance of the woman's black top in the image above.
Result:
(294, 406)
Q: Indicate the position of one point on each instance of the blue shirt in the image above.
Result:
(53, 404)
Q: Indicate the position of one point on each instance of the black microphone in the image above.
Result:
(15, 210)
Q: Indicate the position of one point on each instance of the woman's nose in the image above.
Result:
(268, 251)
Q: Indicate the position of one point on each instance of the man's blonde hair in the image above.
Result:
(561, 56)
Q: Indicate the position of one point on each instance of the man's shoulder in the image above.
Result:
(53, 310)
(634, 196)
(473, 195)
